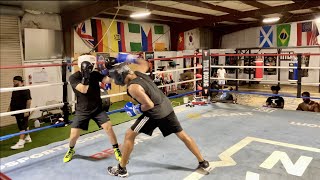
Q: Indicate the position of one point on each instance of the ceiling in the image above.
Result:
(48, 6)
(222, 15)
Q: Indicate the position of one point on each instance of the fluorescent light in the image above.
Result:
(271, 20)
(140, 14)
(318, 19)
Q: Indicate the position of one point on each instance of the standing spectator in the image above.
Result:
(221, 77)
(307, 104)
(21, 100)
(275, 101)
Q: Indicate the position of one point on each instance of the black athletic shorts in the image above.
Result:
(22, 122)
(82, 121)
(167, 125)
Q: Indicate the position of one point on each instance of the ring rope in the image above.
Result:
(262, 94)
(273, 67)
(28, 87)
(5, 137)
(265, 80)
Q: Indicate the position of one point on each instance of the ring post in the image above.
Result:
(299, 75)
(205, 72)
(65, 108)
(237, 71)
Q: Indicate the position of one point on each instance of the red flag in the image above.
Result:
(181, 42)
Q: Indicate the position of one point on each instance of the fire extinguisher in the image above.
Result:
(30, 79)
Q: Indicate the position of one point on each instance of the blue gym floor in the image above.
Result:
(241, 143)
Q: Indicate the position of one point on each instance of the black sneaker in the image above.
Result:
(205, 165)
(118, 171)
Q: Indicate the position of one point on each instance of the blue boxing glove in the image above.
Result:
(131, 109)
(125, 57)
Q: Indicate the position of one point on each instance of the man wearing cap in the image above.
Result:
(21, 100)
(85, 84)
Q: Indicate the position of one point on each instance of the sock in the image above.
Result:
(121, 168)
(202, 162)
(71, 147)
(115, 146)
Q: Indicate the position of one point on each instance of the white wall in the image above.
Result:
(249, 38)
(40, 96)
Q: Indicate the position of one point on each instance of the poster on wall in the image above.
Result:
(40, 76)
(231, 61)
(305, 63)
(270, 61)
(102, 56)
(150, 55)
(287, 57)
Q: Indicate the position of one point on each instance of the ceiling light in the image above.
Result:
(271, 20)
(318, 19)
(140, 14)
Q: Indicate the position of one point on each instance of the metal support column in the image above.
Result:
(65, 108)
(299, 75)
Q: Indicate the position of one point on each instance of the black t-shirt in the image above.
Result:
(91, 101)
(278, 100)
(19, 99)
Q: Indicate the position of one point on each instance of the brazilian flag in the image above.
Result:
(283, 34)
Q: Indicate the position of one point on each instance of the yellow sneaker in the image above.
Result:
(68, 155)
(117, 154)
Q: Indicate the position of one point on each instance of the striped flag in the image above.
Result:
(82, 32)
(146, 40)
(307, 33)
(117, 37)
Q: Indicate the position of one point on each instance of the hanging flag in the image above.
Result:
(134, 28)
(158, 29)
(117, 37)
(266, 36)
(181, 42)
(192, 39)
(135, 46)
(86, 37)
(159, 47)
(283, 34)
(146, 40)
(307, 33)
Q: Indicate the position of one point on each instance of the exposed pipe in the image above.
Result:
(11, 10)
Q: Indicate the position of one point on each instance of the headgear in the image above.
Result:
(119, 73)
(91, 59)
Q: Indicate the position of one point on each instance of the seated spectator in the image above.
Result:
(215, 87)
(307, 104)
(227, 95)
(275, 101)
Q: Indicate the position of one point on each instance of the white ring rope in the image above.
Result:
(28, 87)
(31, 109)
(123, 93)
(73, 102)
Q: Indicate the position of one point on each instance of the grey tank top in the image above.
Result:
(162, 105)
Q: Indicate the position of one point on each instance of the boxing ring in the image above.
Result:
(241, 142)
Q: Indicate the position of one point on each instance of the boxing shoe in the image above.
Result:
(117, 154)
(118, 171)
(204, 165)
(28, 139)
(69, 155)
(19, 144)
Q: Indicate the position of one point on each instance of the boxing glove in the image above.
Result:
(86, 69)
(131, 109)
(125, 57)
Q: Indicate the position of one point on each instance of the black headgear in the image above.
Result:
(119, 73)
(275, 88)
